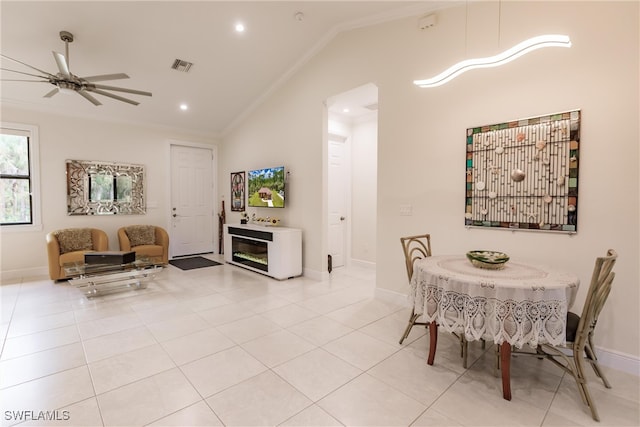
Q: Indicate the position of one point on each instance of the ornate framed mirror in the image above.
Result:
(98, 188)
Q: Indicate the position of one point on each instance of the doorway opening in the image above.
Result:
(352, 147)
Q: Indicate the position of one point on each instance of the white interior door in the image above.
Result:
(192, 195)
(337, 200)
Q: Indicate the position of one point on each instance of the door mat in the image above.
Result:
(193, 263)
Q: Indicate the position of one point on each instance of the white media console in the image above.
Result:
(274, 251)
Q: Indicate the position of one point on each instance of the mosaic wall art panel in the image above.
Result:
(524, 174)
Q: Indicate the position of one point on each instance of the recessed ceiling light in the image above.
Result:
(345, 110)
(184, 107)
(240, 27)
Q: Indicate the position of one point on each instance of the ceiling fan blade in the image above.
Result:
(61, 61)
(49, 75)
(111, 95)
(22, 80)
(26, 74)
(121, 89)
(89, 98)
(50, 94)
(103, 77)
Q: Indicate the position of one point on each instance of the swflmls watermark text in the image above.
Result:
(31, 415)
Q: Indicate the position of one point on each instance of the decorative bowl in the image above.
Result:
(488, 259)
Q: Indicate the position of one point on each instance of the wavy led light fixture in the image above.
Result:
(551, 40)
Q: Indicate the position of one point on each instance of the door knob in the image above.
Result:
(342, 218)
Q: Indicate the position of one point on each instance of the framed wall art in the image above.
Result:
(101, 188)
(523, 174)
(237, 191)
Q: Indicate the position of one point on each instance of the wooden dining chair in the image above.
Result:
(580, 330)
(414, 248)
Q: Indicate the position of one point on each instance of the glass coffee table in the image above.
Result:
(101, 279)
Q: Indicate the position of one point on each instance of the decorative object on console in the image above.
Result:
(244, 218)
(267, 187)
(488, 259)
(237, 191)
(99, 188)
(523, 174)
(267, 221)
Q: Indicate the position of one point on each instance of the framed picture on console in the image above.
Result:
(237, 191)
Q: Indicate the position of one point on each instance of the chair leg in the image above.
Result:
(582, 384)
(593, 360)
(464, 347)
(412, 321)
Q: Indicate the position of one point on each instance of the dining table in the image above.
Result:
(516, 305)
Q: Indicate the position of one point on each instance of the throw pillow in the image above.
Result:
(141, 235)
(74, 239)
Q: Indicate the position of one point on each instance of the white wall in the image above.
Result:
(421, 144)
(61, 138)
(364, 163)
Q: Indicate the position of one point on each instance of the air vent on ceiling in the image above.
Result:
(180, 65)
(372, 107)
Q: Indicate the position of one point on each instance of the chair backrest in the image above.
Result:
(599, 289)
(415, 248)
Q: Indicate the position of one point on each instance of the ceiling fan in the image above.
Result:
(64, 80)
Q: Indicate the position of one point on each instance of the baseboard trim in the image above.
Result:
(620, 361)
(363, 264)
(13, 276)
(315, 274)
(609, 358)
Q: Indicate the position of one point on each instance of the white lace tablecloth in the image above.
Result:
(521, 304)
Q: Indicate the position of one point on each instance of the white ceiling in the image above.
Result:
(231, 73)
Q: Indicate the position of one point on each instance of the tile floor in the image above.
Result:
(224, 346)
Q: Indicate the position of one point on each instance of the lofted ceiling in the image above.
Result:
(232, 71)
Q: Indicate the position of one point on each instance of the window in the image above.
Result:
(19, 178)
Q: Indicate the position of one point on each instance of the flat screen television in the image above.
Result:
(266, 188)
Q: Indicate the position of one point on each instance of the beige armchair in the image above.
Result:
(147, 240)
(69, 245)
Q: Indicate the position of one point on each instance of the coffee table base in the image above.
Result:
(97, 285)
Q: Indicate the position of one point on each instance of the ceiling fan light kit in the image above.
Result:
(67, 82)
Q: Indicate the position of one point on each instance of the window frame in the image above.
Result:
(34, 177)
